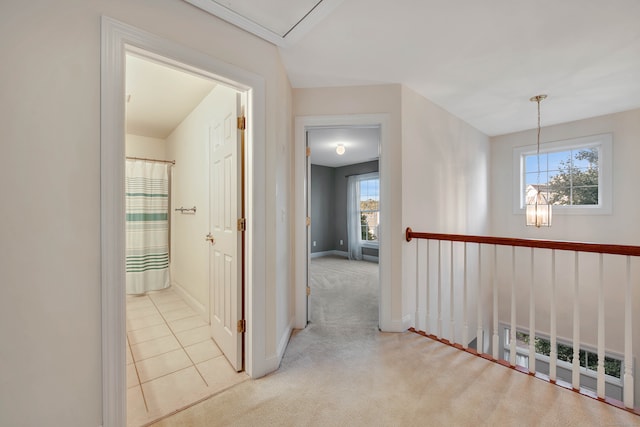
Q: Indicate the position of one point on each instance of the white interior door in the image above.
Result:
(225, 252)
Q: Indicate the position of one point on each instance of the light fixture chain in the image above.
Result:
(539, 218)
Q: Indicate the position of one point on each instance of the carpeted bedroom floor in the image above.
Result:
(341, 371)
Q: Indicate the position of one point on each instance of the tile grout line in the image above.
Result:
(179, 342)
(135, 366)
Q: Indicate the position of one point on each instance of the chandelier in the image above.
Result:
(538, 209)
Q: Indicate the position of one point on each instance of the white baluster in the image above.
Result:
(479, 337)
(628, 344)
(496, 338)
(428, 327)
(600, 374)
(452, 329)
(512, 328)
(465, 327)
(439, 289)
(575, 377)
(553, 356)
(417, 313)
(532, 319)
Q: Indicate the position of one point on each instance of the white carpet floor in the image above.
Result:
(341, 371)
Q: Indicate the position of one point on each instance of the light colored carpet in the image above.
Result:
(340, 371)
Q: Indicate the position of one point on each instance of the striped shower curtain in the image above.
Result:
(147, 226)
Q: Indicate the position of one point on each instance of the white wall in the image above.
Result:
(439, 172)
(445, 166)
(50, 303)
(362, 100)
(282, 195)
(145, 146)
(188, 145)
(620, 227)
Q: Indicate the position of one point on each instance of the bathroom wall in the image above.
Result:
(188, 145)
(145, 146)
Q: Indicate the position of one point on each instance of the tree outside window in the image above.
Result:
(369, 209)
(567, 178)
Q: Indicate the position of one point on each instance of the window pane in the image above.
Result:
(560, 173)
(558, 160)
(565, 353)
(543, 346)
(585, 196)
(532, 178)
(531, 165)
(522, 340)
(612, 367)
(369, 209)
(369, 223)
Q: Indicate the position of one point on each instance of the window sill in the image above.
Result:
(575, 210)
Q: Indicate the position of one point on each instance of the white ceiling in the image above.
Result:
(479, 60)
(279, 21)
(360, 143)
(160, 97)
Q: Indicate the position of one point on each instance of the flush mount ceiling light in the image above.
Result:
(340, 149)
(538, 208)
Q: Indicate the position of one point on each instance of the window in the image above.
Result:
(588, 359)
(369, 209)
(613, 363)
(573, 175)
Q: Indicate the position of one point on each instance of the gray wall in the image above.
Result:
(323, 230)
(329, 194)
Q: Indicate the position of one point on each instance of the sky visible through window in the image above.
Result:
(551, 164)
(568, 177)
(370, 190)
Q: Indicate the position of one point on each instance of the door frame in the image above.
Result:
(118, 38)
(302, 123)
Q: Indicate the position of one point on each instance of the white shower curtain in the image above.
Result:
(147, 226)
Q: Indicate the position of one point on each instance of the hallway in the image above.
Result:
(340, 372)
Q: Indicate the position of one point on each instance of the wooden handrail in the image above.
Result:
(528, 243)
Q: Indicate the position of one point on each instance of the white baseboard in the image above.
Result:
(272, 363)
(330, 253)
(397, 325)
(407, 322)
(284, 341)
(191, 301)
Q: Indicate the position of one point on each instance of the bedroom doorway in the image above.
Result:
(343, 204)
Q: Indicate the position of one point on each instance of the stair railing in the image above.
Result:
(444, 277)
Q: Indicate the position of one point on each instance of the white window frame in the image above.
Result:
(366, 177)
(524, 352)
(602, 142)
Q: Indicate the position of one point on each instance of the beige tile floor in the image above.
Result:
(172, 362)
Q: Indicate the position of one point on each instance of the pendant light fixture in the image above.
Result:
(538, 209)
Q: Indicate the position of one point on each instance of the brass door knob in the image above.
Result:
(210, 238)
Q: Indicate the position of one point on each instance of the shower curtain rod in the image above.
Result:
(173, 162)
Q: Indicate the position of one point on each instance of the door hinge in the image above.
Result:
(308, 291)
(308, 221)
(308, 151)
(242, 224)
(242, 326)
(242, 123)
